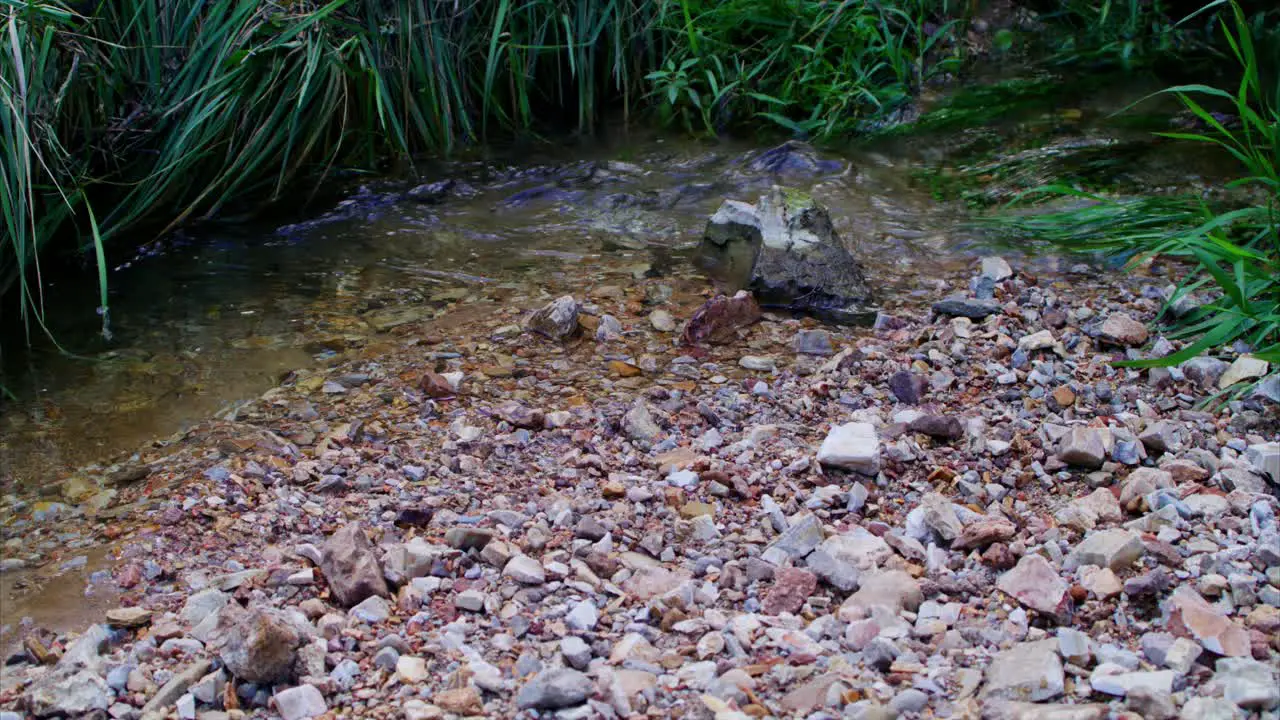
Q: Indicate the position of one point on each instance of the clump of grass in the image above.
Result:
(1234, 251)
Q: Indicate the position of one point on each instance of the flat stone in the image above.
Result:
(801, 537)
(176, 687)
(892, 589)
(1036, 584)
(411, 670)
(1245, 367)
(1104, 679)
(813, 342)
(995, 268)
(967, 307)
(853, 446)
(464, 701)
(1190, 616)
(129, 617)
(557, 320)
(791, 587)
(1029, 672)
(1248, 683)
(555, 688)
(1114, 549)
(1265, 457)
(524, 569)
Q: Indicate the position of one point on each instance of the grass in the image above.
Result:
(1233, 249)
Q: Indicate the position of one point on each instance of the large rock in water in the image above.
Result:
(786, 252)
(348, 563)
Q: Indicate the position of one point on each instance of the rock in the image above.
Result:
(785, 250)
(576, 652)
(521, 416)
(1265, 457)
(1245, 367)
(942, 427)
(609, 330)
(983, 532)
(1189, 615)
(940, 516)
(792, 159)
(257, 645)
(1209, 708)
(907, 387)
(1029, 671)
(466, 537)
(202, 604)
(720, 318)
(1114, 549)
(1082, 446)
(470, 600)
(69, 692)
(1120, 329)
(858, 547)
(791, 587)
(801, 538)
(557, 320)
(892, 589)
(350, 566)
(526, 570)
(853, 446)
(1248, 683)
(639, 424)
(1204, 371)
(371, 610)
(300, 703)
(462, 701)
(1036, 584)
(411, 670)
(813, 342)
(1151, 704)
(555, 688)
(1074, 646)
(176, 687)
(128, 617)
(967, 307)
(1112, 680)
(995, 268)
(1162, 436)
(583, 617)
(662, 321)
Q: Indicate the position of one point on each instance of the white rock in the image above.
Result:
(852, 446)
(1245, 367)
(300, 703)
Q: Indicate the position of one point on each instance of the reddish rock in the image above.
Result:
(907, 387)
(791, 587)
(1191, 616)
(720, 318)
(1120, 329)
(435, 385)
(984, 532)
(1036, 584)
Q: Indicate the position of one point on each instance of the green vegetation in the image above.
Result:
(1233, 245)
(121, 120)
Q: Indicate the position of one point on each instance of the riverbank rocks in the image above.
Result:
(350, 566)
(853, 446)
(557, 320)
(1121, 329)
(1083, 446)
(1029, 672)
(555, 688)
(1189, 615)
(785, 250)
(1036, 584)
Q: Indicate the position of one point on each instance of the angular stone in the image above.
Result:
(786, 251)
(853, 446)
(1036, 584)
(1265, 457)
(720, 318)
(907, 387)
(68, 692)
(557, 320)
(1189, 615)
(1248, 683)
(940, 517)
(801, 538)
(350, 566)
(1204, 371)
(813, 342)
(1028, 672)
(1105, 680)
(555, 688)
(983, 532)
(941, 427)
(524, 569)
(892, 589)
(1114, 549)
(791, 587)
(461, 701)
(1245, 367)
(1083, 446)
(257, 645)
(967, 307)
(129, 617)
(303, 702)
(995, 268)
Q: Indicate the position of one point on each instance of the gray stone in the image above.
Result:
(524, 569)
(470, 600)
(1204, 371)
(1105, 679)
(801, 538)
(1248, 683)
(555, 688)
(203, 604)
(300, 703)
(1083, 446)
(176, 687)
(852, 446)
(371, 610)
(1265, 457)
(813, 342)
(967, 307)
(1209, 708)
(350, 566)
(583, 616)
(557, 320)
(786, 252)
(576, 652)
(1029, 671)
(69, 691)
(995, 268)
(257, 645)
(1115, 549)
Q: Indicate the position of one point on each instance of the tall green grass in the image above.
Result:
(1233, 249)
(129, 117)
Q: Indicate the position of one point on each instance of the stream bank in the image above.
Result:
(447, 514)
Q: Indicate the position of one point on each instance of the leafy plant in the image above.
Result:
(1235, 251)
